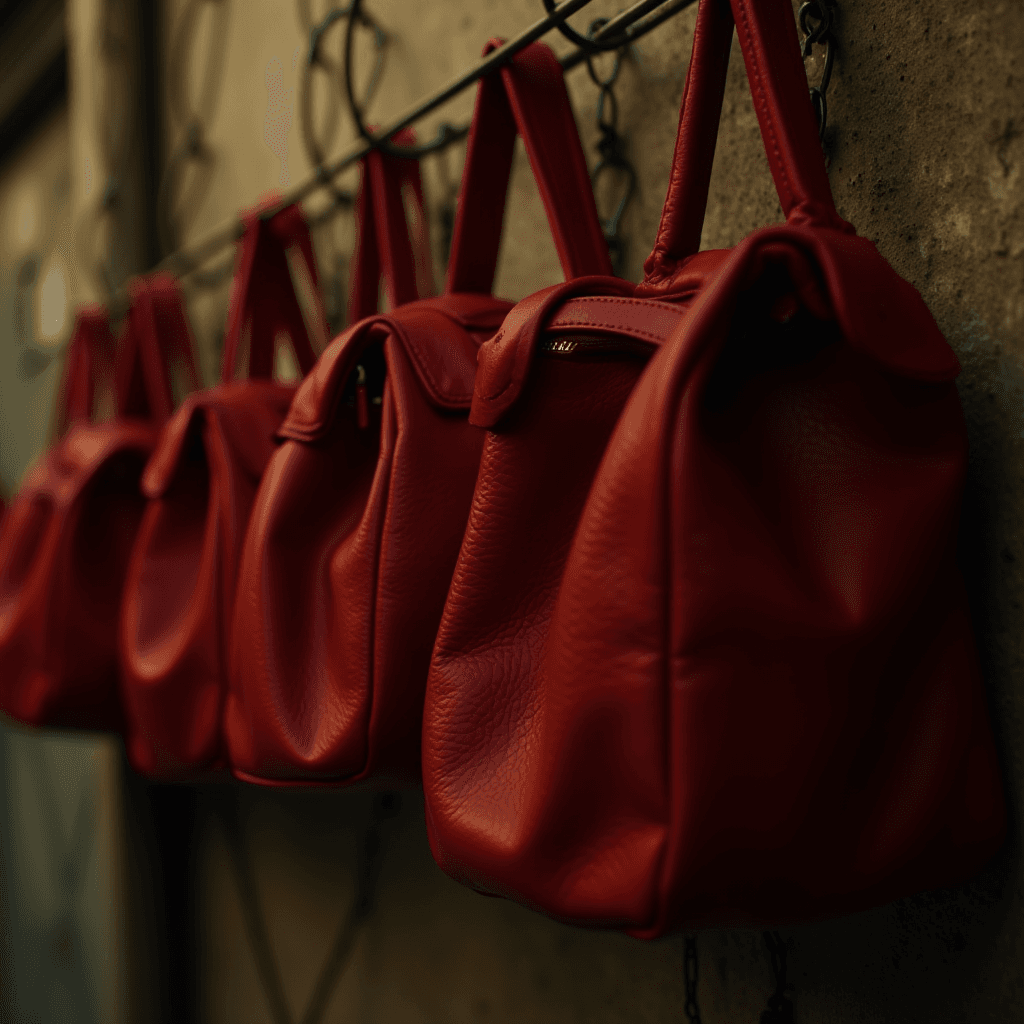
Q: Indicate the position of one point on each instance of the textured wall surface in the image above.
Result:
(927, 146)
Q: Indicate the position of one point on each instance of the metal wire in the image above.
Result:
(612, 35)
(384, 806)
(184, 262)
(611, 147)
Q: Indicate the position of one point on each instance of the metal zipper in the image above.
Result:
(586, 344)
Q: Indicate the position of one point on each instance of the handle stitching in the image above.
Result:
(758, 87)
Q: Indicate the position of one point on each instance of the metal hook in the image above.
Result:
(446, 133)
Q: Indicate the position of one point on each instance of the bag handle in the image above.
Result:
(778, 83)
(385, 246)
(526, 97)
(156, 333)
(89, 351)
(263, 297)
(682, 217)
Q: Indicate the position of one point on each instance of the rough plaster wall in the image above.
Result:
(927, 115)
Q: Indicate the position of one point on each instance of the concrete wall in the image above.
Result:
(927, 144)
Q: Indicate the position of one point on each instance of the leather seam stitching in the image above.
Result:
(758, 86)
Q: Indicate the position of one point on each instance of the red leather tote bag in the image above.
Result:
(358, 521)
(203, 478)
(201, 482)
(68, 534)
(752, 696)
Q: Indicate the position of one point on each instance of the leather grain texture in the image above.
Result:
(706, 658)
(356, 527)
(204, 475)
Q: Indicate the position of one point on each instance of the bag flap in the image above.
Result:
(879, 314)
(248, 411)
(603, 305)
(434, 333)
(70, 464)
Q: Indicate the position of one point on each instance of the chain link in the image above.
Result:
(816, 19)
(317, 59)
(611, 148)
(331, 250)
(691, 1008)
(780, 1007)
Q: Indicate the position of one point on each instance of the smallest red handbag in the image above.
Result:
(69, 532)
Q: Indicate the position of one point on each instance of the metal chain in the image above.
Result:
(177, 206)
(611, 147)
(317, 59)
(780, 1007)
(446, 133)
(385, 805)
(691, 1008)
(816, 19)
(331, 251)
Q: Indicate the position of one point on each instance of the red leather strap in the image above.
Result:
(91, 347)
(384, 245)
(527, 96)
(155, 332)
(617, 315)
(503, 364)
(771, 52)
(775, 70)
(263, 299)
(172, 327)
(682, 218)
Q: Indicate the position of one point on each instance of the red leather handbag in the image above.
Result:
(740, 686)
(358, 521)
(203, 477)
(69, 531)
(200, 484)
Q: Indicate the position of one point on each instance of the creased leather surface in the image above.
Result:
(345, 567)
(355, 532)
(706, 659)
(202, 481)
(549, 420)
(179, 589)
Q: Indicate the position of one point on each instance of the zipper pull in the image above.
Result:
(362, 406)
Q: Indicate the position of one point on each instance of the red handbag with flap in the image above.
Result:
(68, 534)
(362, 509)
(743, 690)
(203, 478)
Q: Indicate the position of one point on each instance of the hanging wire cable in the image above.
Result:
(317, 59)
(384, 806)
(184, 262)
(611, 147)
(318, 140)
